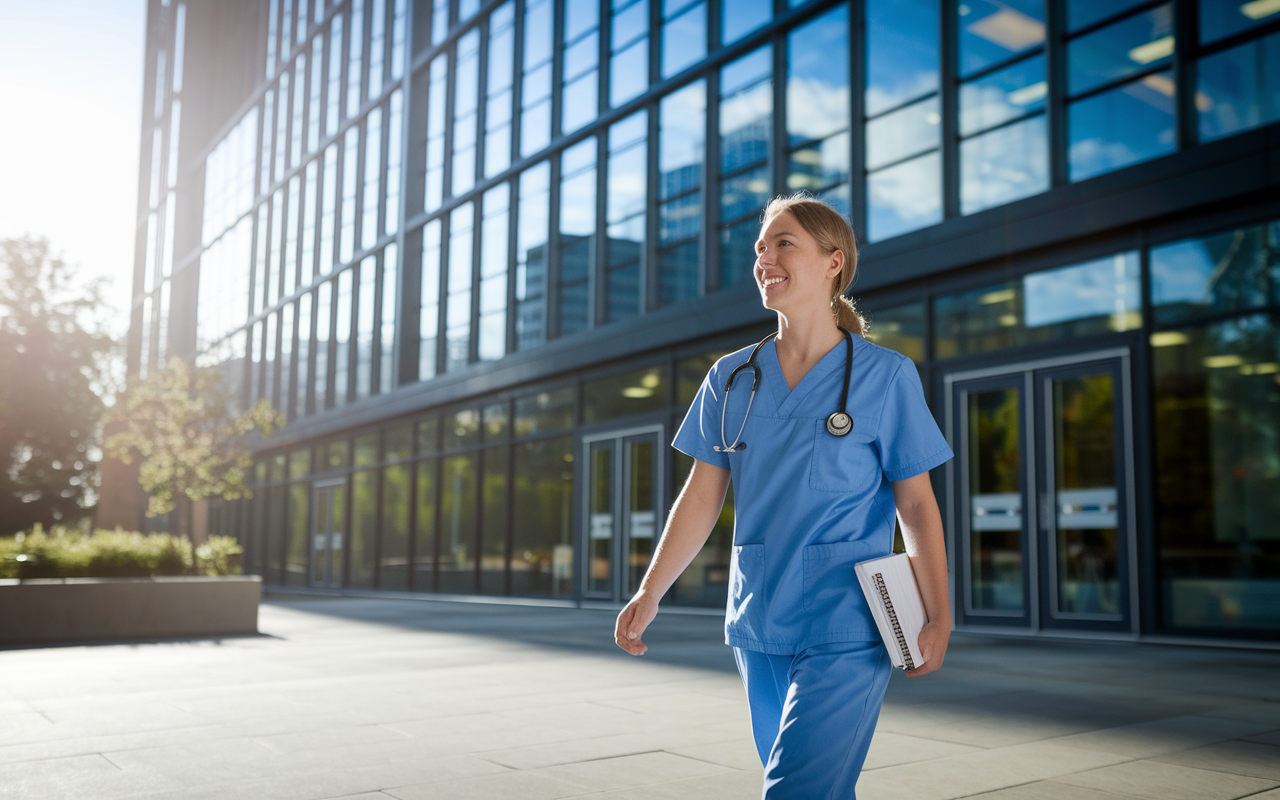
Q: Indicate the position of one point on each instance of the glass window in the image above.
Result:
(690, 373)
(901, 328)
(1239, 88)
(625, 212)
(1003, 95)
(1080, 300)
(363, 529)
(535, 113)
(397, 443)
(397, 37)
(542, 544)
(366, 449)
(393, 556)
(493, 520)
(635, 392)
(580, 71)
(461, 428)
(1121, 49)
(424, 525)
(496, 422)
(333, 455)
(365, 325)
(439, 20)
(289, 264)
(904, 197)
(1004, 165)
(466, 104)
(457, 567)
(428, 437)
(282, 129)
(377, 42)
(342, 339)
(629, 48)
(746, 117)
(350, 160)
(531, 256)
(324, 315)
(389, 290)
(1217, 450)
(296, 560)
(1221, 19)
(500, 77)
(433, 187)
(355, 58)
(991, 31)
(287, 332)
(544, 412)
(264, 180)
(270, 360)
(1122, 126)
(328, 212)
(1233, 270)
(681, 145)
(705, 582)
(493, 273)
(299, 100)
(304, 351)
(395, 124)
(458, 305)
(684, 34)
(372, 179)
(740, 17)
(429, 305)
(903, 133)
(308, 211)
(334, 102)
(1081, 13)
(576, 255)
(818, 108)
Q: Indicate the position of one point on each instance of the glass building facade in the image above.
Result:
(481, 254)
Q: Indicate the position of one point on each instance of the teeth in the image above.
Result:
(772, 281)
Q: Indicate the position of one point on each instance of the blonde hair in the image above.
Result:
(831, 232)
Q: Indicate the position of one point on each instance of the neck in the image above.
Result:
(807, 337)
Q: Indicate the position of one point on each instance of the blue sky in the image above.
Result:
(70, 101)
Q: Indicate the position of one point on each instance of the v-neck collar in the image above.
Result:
(787, 400)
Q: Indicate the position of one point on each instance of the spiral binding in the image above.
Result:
(893, 620)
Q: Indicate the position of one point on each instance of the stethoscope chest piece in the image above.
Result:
(839, 424)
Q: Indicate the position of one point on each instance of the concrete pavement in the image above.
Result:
(361, 698)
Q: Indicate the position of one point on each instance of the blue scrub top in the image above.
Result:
(809, 505)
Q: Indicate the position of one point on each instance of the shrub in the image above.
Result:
(67, 553)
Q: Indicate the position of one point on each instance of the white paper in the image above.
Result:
(908, 606)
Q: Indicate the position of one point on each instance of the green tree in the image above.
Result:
(55, 360)
(182, 426)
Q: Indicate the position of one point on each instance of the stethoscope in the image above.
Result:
(838, 424)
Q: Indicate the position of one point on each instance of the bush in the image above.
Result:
(68, 553)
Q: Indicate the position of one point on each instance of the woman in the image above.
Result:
(813, 497)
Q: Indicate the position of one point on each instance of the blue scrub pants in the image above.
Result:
(812, 715)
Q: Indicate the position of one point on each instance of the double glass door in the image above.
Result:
(1040, 492)
(623, 510)
(327, 508)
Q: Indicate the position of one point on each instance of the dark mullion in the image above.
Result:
(551, 297)
(713, 185)
(948, 87)
(557, 66)
(1056, 106)
(513, 254)
(1186, 35)
(509, 490)
(379, 506)
(857, 130)
(1024, 55)
(649, 269)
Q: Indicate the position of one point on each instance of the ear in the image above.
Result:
(835, 264)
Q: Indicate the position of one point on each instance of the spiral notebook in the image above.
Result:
(890, 587)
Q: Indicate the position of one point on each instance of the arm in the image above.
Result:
(922, 534)
(688, 526)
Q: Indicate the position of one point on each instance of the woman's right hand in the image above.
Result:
(633, 621)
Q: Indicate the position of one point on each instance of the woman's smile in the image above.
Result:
(773, 283)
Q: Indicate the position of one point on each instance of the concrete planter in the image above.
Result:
(94, 609)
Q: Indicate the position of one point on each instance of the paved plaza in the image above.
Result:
(380, 698)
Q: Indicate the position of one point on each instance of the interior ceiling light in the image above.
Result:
(1152, 51)
(1260, 8)
(637, 392)
(1217, 362)
(1009, 28)
(1028, 94)
(998, 296)
(1168, 338)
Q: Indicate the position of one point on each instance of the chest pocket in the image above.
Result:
(847, 463)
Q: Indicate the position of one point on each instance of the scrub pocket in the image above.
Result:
(831, 589)
(846, 463)
(745, 613)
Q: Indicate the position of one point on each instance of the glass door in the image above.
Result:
(326, 534)
(1039, 509)
(623, 510)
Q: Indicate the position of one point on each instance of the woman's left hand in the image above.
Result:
(933, 647)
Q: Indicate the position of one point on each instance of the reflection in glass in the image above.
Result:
(493, 273)
(581, 57)
(641, 509)
(819, 165)
(326, 547)
(901, 328)
(493, 514)
(1221, 19)
(740, 17)
(995, 501)
(372, 179)
(635, 392)
(902, 52)
(428, 437)
(681, 125)
(429, 310)
(461, 429)
(364, 325)
(1122, 126)
(296, 563)
(904, 197)
(531, 255)
(746, 116)
(458, 304)
(424, 548)
(684, 35)
(342, 339)
(1239, 88)
(576, 254)
(500, 75)
(1081, 13)
(1233, 270)
(1085, 499)
(600, 522)
(903, 133)
(535, 115)
(629, 63)
(355, 58)
(1217, 455)
(1004, 95)
(433, 192)
(387, 376)
(542, 544)
(544, 412)
(991, 31)
(1116, 51)
(393, 559)
(817, 80)
(364, 528)
(466, 104)
(457, 567)
(1004, 165)
(625, 215)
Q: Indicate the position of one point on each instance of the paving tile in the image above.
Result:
(522, 785)
(546, 755)
(327, 738)
(626, 772)
(736, 753)
(740, 785)
(1243, 758)
(1048, 790)
(890, 749)
(1148, 739)
(1160, 781)
(1270, 737)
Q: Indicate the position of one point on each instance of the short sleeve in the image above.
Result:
(700, 431)
(908, 436)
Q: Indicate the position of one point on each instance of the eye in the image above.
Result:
(781, 242)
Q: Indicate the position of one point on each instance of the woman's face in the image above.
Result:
(792, 273)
